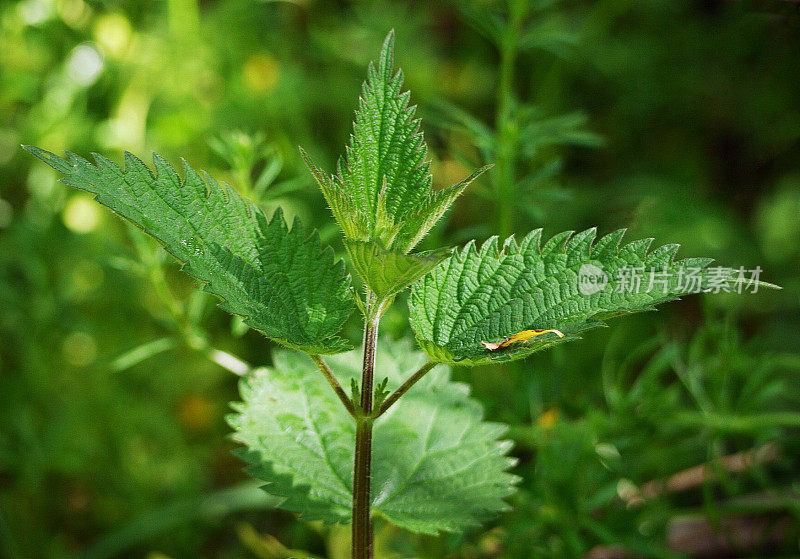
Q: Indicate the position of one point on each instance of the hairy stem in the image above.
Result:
(328, 374)
(411, 381)
(362, 522)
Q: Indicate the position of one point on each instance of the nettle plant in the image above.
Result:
(428, 462)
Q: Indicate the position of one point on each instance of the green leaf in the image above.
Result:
(436, 464)
(490, 294)
(382, 188)
(385, 272)
(281, 281)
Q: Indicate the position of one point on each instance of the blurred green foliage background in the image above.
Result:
(670, 434)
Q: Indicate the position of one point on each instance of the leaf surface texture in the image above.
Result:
(490, 293)
(436, 464)
(281, 280)
(382, 186)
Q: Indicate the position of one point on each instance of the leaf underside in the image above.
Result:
(437, 466)
(493, 292)
(382, 187)
(280, 280)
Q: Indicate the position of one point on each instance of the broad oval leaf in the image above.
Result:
(281, 280)
(469, 308)
(437, 466)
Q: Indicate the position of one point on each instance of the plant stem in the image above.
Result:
(328, 374)
(411, 381)
(505, 171)
(362, 523)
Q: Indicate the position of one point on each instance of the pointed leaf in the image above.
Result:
(481, 304)
(418, 223)
(382, 188)
(282, 281)
(351, 218)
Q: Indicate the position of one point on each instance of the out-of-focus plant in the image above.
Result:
(524, 136)
(728, 434)
(256, 165)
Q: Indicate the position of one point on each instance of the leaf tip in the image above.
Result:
(386, 60)
(58, 163)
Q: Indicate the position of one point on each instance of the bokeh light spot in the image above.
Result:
(261, 72)
(86, 276)
(81, 214)
(548, 419)
(450, 171)
(196, 412)
(9, 143)
(84, 65)
(41, 182)
(74, 13)
(113, 34)
(34, 11)
(79, 349)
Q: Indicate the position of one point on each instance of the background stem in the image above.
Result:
(362, 523)
(505, 126)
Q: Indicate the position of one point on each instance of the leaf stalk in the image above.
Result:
(337, 388)
(411, 381)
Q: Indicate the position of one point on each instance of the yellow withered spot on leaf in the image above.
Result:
(519, 337)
